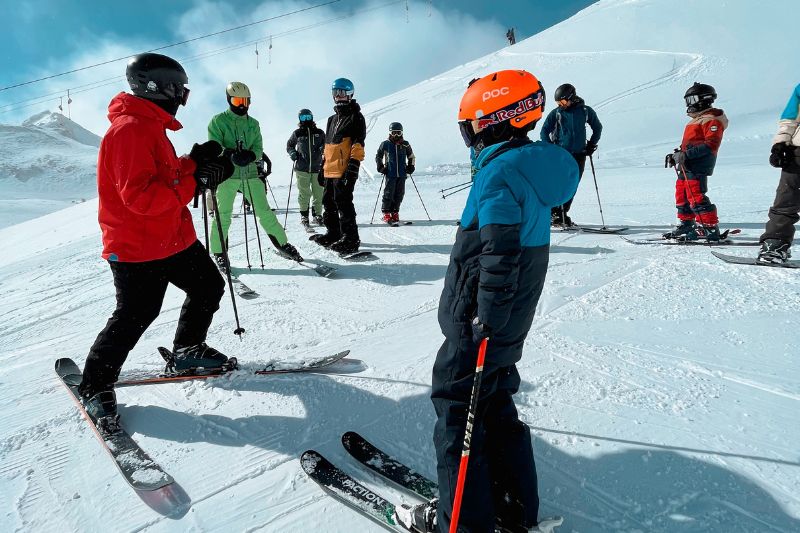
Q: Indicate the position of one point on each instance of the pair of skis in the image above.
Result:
(141, 472)
(350, 492)
(602, 230)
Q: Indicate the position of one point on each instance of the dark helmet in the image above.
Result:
(305, 115)
(158, 78)
(396, 126)
(565, 92)
(699, 97)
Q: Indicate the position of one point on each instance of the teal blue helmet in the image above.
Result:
(342, 90)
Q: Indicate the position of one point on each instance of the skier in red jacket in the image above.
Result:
(694, 162)
(148, 236)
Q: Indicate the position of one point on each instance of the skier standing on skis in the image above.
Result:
(493, 283)
(240, 136)
(344, 152)
(776, 240)
(148, 236)
(305, 148)
(395, 160)
(694, 162)
(566, 127)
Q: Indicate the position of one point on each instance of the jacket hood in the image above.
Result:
(712, 112)
(347, 108)
(125, 104)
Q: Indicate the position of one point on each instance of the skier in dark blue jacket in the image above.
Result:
(566, 127)
(493, 283)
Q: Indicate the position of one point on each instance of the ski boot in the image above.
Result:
(387, 217)
(396, 217)
(686, 226)
(102, 408)
(555, 219)
(420, 518)
(774, 251)
(346, 245)
(304, 219)
(567, 222)
(290, 252)
(325, 240)
(708, 232)
(222, 263)
(317, 217)
(197, 356)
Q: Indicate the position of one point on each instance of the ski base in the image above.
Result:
(151, 378)
(737, 260)
(362, 255)
(138, 469)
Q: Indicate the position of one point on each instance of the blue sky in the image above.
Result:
(377, 48)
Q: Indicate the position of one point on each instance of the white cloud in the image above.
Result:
(376, 48)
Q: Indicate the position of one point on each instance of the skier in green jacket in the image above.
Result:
(240, 136)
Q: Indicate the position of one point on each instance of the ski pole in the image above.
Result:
(288, 198)
(473, 404)
(244, 216)
(464, 187)
(255, 221)
(456, 186)
(383, 177)
(224, 245)
(205, 217)
(269, 186)
(594, 176)
(420, 196)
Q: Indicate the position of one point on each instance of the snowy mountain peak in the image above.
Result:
(58, 123)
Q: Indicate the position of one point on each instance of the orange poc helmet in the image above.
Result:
(506, 98)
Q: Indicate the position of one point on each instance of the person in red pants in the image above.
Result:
(694, 162)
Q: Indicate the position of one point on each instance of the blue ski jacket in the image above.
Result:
(567, 127)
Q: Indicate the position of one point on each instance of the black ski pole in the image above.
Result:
(288, 198)
(420, 197)
(594, 176)
(456, 186)
(383, 177)
(255, 221)
(224, 245)
(269, 187)
(464, 187)
(244, 216)
(205, 217)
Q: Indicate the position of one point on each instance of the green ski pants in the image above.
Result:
(308, 188)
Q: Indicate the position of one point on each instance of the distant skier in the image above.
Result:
(148, 236)
(566, 127)
(344, 152)
(695, 161)
(305, 148)
(493, 283)
(512, 39)
(240, 136)
(395, 160)
(777, 238)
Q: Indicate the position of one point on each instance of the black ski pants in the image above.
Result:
(501, 465)
(783, 214)
(339, 214)
(393, 195)
(140, 291)
(559, 209)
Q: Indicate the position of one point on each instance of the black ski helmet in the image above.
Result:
(698, 97)
(396, 126)
(158, 78)
(305, 115)
(565, 92)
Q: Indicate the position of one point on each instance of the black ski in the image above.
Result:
(737, 260)
(388, 467)
(323, 270)
(361, 255)
(724, 241)
(138, 469)
(604, 230)
(149, 377)
(350, 492)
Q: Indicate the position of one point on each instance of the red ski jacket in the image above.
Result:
(142, 184)
(702, 139)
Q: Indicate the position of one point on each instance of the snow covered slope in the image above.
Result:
(660, 384)
(46, 163)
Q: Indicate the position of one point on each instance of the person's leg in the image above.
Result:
(387, 200)
(704, 211)
(343, 190)
(581, 160)
(258, 199)
(226, 193)
(140, 289)
(195, 273)
(783, 214)
(304, 180)
(399, 194)
(317, 192)
(685, 213)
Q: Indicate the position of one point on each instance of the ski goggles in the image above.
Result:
(396, 133)
(306, 118)
(179, 93)
(342, 94)
(467, 131)
(693, 99)
(240, 101)
(564, 102)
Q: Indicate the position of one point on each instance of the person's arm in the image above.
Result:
(411, 164)
(547, 127)
(257, 145)
(134, 172)
(215, 132)
(358, 134)
(291, 146)
(594, 123)
(790, 119)
(712, 139)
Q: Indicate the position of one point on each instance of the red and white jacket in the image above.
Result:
(702, 139)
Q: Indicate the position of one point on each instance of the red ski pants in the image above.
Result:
(691, 199)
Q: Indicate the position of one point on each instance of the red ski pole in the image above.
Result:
(462, 467)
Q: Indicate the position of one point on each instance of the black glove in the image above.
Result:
(321, 177)
(351, 172)
(679, 158)
(381, 168)
(590, 148)
(410, 169)
(480, 330)
(293, 156)
(242, 158)
(781, 155)
(201, 153)
(211, 173)
(668, 161)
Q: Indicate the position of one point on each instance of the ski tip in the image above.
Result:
(310, 460)
(348, 439)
